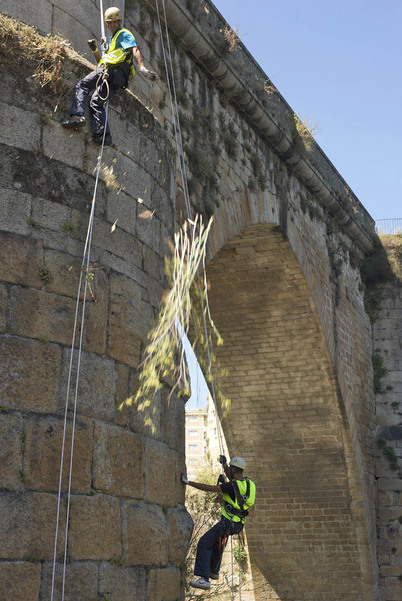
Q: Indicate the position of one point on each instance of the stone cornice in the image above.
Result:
(196, 41)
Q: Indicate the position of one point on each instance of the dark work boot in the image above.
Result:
(75, 122)
(97, 138)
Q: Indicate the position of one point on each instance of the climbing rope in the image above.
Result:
(168, 63)
(167, 58)
(84, 274)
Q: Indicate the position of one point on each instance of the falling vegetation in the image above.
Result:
(164, 360)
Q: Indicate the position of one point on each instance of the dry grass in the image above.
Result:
(20, 42)
(307, 130)
(392, 244)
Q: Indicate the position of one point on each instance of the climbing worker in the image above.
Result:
(114, 70)
(238, 496)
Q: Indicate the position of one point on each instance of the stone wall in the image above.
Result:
(128, 527)
(387, 345)
(284, 252)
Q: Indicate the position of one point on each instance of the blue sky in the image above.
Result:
(337, 62)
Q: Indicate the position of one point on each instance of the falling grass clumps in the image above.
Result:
(185, 307)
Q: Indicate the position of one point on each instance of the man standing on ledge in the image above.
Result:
(114, 70)
(238, 496)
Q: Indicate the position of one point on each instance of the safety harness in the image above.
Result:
(230, 509)
(119, 57)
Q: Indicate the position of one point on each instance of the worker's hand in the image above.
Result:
(183, 479)
(93, 45)
(150, 74)
(221, 479)
(222, 460)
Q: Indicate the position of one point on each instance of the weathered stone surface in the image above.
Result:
(43, 447)
(127, 328)
(29, 374)
(122, 583)
(12, 441)
(145, 534)
(3, 308)
(39, 313)
(96, 388)
(95, 531)
(160, 465)
(180, 529)
(21, 259)
(28, 524)
(164, 584)
(81, 581)
(19, 581)
(118, 462)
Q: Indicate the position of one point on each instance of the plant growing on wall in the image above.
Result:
(184, 307)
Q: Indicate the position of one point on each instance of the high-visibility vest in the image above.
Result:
(234, 510)
(116, 56)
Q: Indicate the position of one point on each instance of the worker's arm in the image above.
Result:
(139, 60)
(201, 486)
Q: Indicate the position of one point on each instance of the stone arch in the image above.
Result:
(288, 419)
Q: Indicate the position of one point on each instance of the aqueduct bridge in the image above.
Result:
(285, 292)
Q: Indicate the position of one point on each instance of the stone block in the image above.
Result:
(126, 322)
(37, 313)
(50, 214)
(28, 375)
(15, 210)
(19, 581)
(21, 260)
(122, 209)
(118, 463)
(39, 15)
(122, 583)
(43, 447)
(19, 128)
(180, 530)
(174, 422)
(96, 387)
(12, 439)
(160, 467)
(3, 308)
(164, 585)
(28, 524)
(145, 535)
(81, 581)
(95, 530)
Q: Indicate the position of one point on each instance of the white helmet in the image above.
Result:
(112, 14)
(238, 462)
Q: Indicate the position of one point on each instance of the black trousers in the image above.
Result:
(93, 83)
(209, 555)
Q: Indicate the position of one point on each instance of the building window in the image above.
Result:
(192, 447)
(192, 418)
(193, 461)
(193, 433)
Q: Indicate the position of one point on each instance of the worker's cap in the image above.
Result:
(112, 14)
(238, 462)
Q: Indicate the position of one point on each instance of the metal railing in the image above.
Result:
(388, 226)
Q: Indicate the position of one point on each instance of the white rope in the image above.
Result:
(84, 265)
(179, 144)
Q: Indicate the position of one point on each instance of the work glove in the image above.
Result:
(222, 460)
(184, 479)
(150, 74)
(93, 45)
(221, 479)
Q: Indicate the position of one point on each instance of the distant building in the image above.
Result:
(195, 429)
(202, 438)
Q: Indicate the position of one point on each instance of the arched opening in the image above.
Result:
(286, 419)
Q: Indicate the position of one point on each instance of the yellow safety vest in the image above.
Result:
(230, 507)
(116, 56)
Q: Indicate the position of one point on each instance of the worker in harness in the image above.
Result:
(238, 496)
(114, 70)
